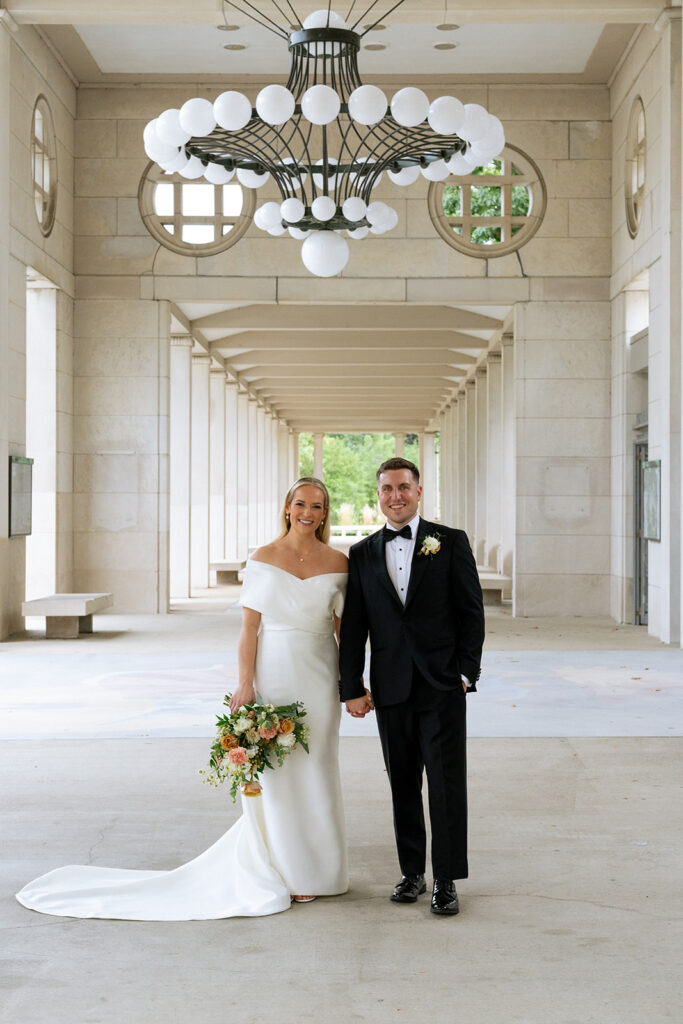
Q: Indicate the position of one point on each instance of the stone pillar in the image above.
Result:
(217, 465)
(508, 497)
(261, 473)
(231, 518)
(293, 457)
(462, 460)
(443, 483)
(180, 433)
(399, 445)
(253, 495)
(284, 476)
(471, 456)
(243, 474)
(494, 460)
(199, 474)
(480, 466)
(454, 462)
(318, 456)
(428, 474)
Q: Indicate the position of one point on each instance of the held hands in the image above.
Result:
(244, 694)
(359, 706)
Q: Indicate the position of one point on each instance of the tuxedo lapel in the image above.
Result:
(418, 566)
(378, 562)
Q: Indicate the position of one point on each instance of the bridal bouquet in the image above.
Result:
(248, 740)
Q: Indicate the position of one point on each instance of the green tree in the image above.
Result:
(305, 454)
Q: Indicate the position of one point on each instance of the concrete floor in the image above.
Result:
(572, 912)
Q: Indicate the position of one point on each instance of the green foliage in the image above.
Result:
(485, 201)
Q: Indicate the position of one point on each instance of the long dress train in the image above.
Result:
(291, 839)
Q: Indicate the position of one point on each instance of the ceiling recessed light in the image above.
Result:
(445, 46)
(228, 28)
(448, 26)
(234, 46)
(374, 28)
(375, 46)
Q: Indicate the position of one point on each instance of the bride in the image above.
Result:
(290, 841)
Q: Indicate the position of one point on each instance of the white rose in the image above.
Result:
(288, 740)
(242, 724)
(431, 544)
(252, 752)
(252, 735)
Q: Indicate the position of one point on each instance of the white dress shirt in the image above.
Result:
(399, 556)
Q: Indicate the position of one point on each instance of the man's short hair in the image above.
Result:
(399, 463)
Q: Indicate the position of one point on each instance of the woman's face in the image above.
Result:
(306, 509)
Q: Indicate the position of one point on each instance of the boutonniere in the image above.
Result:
(431, 545)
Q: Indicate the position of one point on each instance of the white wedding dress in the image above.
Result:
(291, 839)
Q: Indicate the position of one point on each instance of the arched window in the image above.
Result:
(194, 218)
(44, 165)
(492, 211)
(636, 145)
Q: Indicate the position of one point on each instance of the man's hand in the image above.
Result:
(359, 706)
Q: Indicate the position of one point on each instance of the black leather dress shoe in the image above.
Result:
(408, 889)
(444, 897)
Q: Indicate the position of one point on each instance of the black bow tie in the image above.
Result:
(393, 534)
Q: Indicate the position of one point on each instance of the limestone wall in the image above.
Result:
(27, 70)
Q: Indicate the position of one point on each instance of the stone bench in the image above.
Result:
(67, 615)
(226, 572)
(492, 582)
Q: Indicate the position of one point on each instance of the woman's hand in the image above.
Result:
(244, 694)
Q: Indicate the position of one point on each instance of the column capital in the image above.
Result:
(665, 17)
(481, 371)
(230, 383)
(201, 359)
(8, 21)
(181, 341)
(494, 357)
(217, 371)
(470, 383)
(507, 338)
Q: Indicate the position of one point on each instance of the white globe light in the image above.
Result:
(354, 208)
(331, 177)
(149, 132)
(275, 104)
(169, 130)
(406, 176)
(298, 233)
(323, 208)
(325, 253)
(476, 122)
(459, 164)
(320, 104)
(232, 110)
(377, 213)
(217, 174)
(360, 232)
(391, 220)
(446, 115)
(276, 229)
(193, 169)
(436, 171)
(177, 163)
(196, 117)
(156, 151)
(268, 215)
(292, 210)
(250, 179)
(409, 107)
(319, 19)
(367, 104)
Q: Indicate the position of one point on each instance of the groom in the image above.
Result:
(414, 588)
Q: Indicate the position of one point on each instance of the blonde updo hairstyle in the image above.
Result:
(323, 531)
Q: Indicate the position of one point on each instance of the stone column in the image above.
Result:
(471, 456)
(293, 456)
(443, 482)
(261, 473)
(253, 494)
(480, 466)
(494, 460)
(285, 479)
(199, 473)
(243, 474)
(231, 518)
(462, 460)
(508, 495)
(180, 433)
(428, 474)
(318, 456)
(217, 465)
(399, 445)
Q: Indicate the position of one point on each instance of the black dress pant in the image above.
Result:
(428, 732)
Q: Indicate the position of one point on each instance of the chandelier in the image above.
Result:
(324, 138)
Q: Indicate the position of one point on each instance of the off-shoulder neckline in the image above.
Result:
(301, 579)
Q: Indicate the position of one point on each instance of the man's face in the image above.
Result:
(399, 495)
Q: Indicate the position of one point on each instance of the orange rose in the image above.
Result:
(286, 726)
(228, 742)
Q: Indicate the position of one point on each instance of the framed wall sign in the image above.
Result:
(20, 480)
(652, 500)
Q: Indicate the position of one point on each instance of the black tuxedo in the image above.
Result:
(418, 653)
